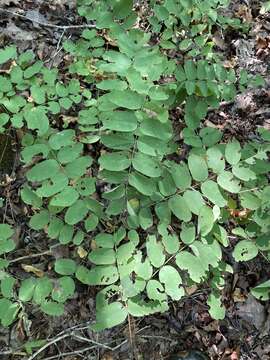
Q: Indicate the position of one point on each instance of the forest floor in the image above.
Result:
(245, 332)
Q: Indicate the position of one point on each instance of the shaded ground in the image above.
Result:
(244, 334)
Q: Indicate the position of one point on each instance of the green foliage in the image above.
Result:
(159, 223)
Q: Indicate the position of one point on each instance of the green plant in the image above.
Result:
(108, 181)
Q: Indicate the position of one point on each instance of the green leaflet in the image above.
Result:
(198, 167)
(155, 251)
(146, 165)
(76, 212)
(245, 250)
(123, 121)
(99, 275)
(37, 119)
(243, 173)
(27, 288)
(262, 291)
(211, 190)
(63, 290)
(154, 128)
(215, 159)
(205, 220)
(109, 316)
(181, 176)
(61, 139)
(172, 280)
(7, 54)
(194, 201)
(8, 311)
(53, 185)
(233, 152)
(119, 63)
(65, 266)
(52, 308)
(42, 171)
(198, 264)
(39, 220)
(179, 207)
(226, 180)
(250, 201)
(188, 233)
(65, 198)
(77, 167)
(102, 256)
(126, 99)
(143, 184)
(217, 310)
(114, 161)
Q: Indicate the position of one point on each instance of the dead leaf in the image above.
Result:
(244, 13)
(82, 252)
(16, 33)
(235, 355)
(238, 296)
(33, 269)
(9, 2)
(231, 63)
(69, 119)
(219, 41)
(191, 289)
(107, 356)
(213, 326)
(262, 42)
(252, 311)
(36, 17)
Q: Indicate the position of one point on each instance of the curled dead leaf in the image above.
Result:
(33, 269)
(82, 252)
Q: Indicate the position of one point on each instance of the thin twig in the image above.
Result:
(47, 252)
(53, 341)
(82, 338)
(13, 353)
(63, 27)
(75, 352)
(57, 51)
(78, 337)
(130, 331)
(156, 337)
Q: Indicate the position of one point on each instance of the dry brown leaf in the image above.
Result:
(93, 244)
(9, 2)
(244, 13)
(219, 41)
(69, 119)
(235, 355)
(238, 296)
(231, 63)
(33, 269)
(107, 356)
(191, 289)
(262, 42)
(213, 326)
(82, 252)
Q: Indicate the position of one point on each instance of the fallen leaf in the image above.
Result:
(244, 13)
(191, 289)
(16, 33)
(82, 252)
(238, 296)
(252, 311)
(33, 269)
(234, 355)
